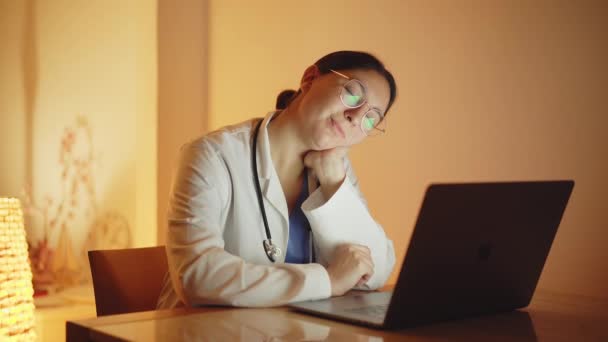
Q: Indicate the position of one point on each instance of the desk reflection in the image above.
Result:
(511, 326)
(551, 317)
(284, 325)
(252, 325)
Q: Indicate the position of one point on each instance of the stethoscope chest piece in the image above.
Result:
(272, 251)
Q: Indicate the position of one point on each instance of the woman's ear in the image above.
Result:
(311, 73)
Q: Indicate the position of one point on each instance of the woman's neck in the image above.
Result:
(286, 148)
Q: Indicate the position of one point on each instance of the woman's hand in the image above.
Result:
(329, 168)
(351, 265)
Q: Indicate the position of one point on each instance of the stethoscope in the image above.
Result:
(272, 250)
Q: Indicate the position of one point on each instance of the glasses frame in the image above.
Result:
(380, 130)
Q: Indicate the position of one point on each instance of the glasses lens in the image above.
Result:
(353, 94)
(371, 121)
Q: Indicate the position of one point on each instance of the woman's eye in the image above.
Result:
(353, 94)
(369, 123)
(352, 100)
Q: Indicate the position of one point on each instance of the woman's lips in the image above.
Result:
(337, 128)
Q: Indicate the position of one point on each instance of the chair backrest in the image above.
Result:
(127, 280)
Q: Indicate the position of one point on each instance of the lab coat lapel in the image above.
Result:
(271, 186)
(273, 192)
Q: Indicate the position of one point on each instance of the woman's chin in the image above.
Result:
(322, 146)
(328, 140)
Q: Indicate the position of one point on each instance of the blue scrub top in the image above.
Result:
(298, 246)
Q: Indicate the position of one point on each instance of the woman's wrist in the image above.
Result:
(329, 188)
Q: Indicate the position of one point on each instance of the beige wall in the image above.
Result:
(61, 60)
(12, 99)
(489, 90)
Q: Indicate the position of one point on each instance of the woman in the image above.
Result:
(269, 211)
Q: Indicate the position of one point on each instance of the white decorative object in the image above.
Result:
(16, 291)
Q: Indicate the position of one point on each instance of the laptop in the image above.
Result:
(476, 249)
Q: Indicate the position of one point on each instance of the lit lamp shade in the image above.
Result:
(16, 290)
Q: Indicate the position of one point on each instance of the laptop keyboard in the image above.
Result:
(372, 310)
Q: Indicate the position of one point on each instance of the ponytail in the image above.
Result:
(285, 97)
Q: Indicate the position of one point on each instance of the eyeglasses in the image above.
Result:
(353, 95)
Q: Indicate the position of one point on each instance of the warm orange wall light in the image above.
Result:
(16, 290)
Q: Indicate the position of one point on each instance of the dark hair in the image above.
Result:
(345, 60)
(285, 98)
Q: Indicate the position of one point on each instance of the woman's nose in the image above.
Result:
(354, 115)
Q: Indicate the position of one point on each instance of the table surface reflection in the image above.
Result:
(550, 317)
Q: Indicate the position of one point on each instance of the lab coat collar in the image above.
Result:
(266, 168)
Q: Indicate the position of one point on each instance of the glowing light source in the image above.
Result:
(16, 290)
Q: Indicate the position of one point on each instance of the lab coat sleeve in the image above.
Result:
(202, 272)
(345, 219)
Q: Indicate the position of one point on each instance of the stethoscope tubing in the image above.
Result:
(271, 250)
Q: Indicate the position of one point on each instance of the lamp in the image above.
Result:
(16, 290)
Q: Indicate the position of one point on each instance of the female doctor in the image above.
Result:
(269, 211)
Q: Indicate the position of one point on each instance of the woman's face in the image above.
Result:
(328, 122)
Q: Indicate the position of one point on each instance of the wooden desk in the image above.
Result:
(550, 317)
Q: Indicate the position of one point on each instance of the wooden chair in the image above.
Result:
(127, 280)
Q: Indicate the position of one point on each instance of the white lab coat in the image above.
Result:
(215, 232)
